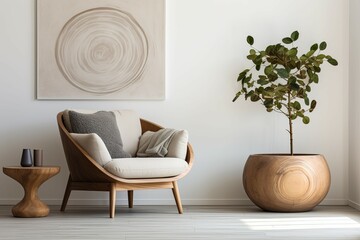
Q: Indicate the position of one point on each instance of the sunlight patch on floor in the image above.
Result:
(301, 223)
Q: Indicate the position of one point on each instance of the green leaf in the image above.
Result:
(320, 56)
(306, 120)
(317, 69)
(250, 40)
(300, 93)
(301, 82)
(268, 103)
(303, 58)
(262, 82)
(247, 79)
(294, 87)
(255, 98)
(300, 114)
(258, 67)
(242, 75)
(292, 80)
(292, 63)
(310, 53)
(323, 46)
(259, 90)
(287, 40)
(249, 94)
(314, 78)
(333, 62)
(292, 52)
(262, 77)
(312, 105)
(293, 116)
(302, 74)
(258, 60)
(295, 35)
(273, 77)
(251, 57)
(282, 72)
(268, 70)
(308, 89)
(237, 96)
(314, 47)
(269, 49)
(270, 90)
(307, 101)
(296, 105)
(252, 52)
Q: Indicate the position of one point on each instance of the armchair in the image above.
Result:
(86, 174)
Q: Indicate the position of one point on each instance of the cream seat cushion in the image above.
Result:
(129, 167)
(146, 167)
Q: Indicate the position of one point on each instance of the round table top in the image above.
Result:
(40, 170)
(42, 167)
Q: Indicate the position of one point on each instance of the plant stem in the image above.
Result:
(291, 137)
(290, 124)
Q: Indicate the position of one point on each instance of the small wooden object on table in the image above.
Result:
(31, 178)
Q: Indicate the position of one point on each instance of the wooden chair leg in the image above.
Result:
(131, 198)
(66, 195)
(175, 191)
(112, 200)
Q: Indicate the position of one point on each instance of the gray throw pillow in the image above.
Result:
(103, 124)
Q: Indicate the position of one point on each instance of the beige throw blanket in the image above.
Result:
(155, 144)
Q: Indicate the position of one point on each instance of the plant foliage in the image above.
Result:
(281, 78)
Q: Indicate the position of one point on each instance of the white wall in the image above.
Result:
(205, 51)
(354, 106)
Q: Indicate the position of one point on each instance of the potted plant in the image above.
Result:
(281, 80)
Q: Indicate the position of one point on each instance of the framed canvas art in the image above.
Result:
(101, 49)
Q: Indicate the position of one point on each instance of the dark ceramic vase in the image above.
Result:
(26, 159)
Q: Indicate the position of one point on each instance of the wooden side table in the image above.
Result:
(31, 178)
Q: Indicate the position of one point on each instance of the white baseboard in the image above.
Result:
(336, 202)
(354, 205)
(195, 202)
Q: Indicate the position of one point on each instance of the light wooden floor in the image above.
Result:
(197, 222)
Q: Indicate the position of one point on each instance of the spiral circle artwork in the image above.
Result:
(102, 50)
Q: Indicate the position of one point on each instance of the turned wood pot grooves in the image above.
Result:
(285, 183)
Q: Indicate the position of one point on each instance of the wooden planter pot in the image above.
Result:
(284, 183)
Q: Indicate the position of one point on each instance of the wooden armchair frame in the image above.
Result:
(87, 175)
